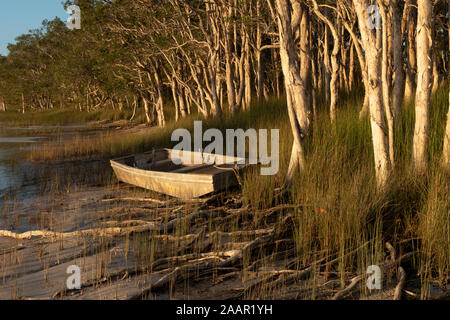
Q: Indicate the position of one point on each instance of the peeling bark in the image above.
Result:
(423, 92)
(288, 16)
(377, 117)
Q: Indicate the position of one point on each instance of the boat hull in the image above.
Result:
(181, 185)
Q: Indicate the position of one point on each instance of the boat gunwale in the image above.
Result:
(169, 151)
(180, 177)
(172, 176)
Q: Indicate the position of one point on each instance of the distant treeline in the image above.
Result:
(194, 54)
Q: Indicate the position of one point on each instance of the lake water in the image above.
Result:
(13, 149)
(12, 160)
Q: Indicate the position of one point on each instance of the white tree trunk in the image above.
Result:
(327, 67)
(247, 70)
(386, 77)
(288, 16)
(259, 68)
(377, 115)
(435, 73)
(351, 71)
(411, 57)
(397, 40)
(334, 61)
(159, 101)
(305, 55)
(446, 153)
(148, 115)
(423, 91)
(175, 94)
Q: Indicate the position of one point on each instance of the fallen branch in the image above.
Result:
(109, 231)
(341, 294)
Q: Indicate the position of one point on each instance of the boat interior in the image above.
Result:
(162, 161)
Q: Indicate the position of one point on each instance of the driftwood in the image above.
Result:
(106, 232)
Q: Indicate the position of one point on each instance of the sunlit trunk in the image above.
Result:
(399, 78)
(295, 88)
(423, 92)
(446, 153)
(386, 78)
(377, 117)
(411, 57)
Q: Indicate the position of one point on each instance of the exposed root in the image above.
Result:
(401, 284)
(140, 227)
(343, 293)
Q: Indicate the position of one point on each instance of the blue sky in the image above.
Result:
(19, 16)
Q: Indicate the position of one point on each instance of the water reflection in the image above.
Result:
(12, 169)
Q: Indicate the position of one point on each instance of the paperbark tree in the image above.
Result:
(349, 20)
(334, 61)
(386, 75)
(423, 91)
(377, 115)
(289, 15)
(446, 153)
(399, 87)
(411, 52)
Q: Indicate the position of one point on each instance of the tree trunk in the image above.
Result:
(411, 57)
(175, 94)
(288, 16)
(334, 61)
(248, 75)
(386, 77)
(182, 102)
(377, 116)
(159, 102)
(259, 68)
(399, 89)
(327, 67)
(23, 104)
(351, 71)
(435, 73)
(423, 91)
(305, 55)
(229, 77)
(148, 114)
(446, 153)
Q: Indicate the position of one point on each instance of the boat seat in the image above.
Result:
(192, 168)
